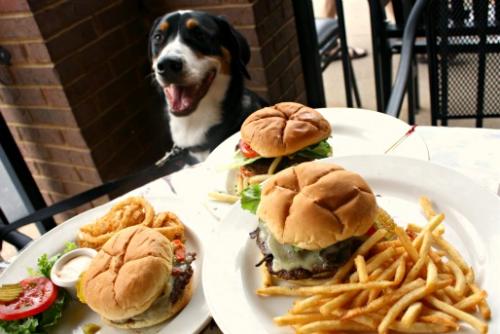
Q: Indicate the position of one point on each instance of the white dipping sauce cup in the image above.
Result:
(69, 284)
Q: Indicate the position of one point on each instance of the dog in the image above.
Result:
(199, 63)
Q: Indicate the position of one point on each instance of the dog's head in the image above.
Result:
(188, 50)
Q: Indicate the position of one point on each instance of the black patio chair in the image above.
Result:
(463, 58)
(8, 229)
(386, 42)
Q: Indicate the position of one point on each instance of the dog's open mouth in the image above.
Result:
(183, 99)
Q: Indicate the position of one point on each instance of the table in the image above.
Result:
(472, 151)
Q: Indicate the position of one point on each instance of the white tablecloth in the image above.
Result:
(472, 151)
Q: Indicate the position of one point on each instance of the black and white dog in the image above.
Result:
(199, 61)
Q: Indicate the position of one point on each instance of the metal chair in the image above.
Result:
(327, 30)
(8, 230)
(387, 41)
(463, 58)
(118, 187)
(405, 64)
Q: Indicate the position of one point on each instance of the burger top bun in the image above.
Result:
(129, 273)
(314, 205)
(283, 129)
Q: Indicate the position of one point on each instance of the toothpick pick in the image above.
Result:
(400, 140)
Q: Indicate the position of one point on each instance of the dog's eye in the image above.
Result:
(158, 37)
(198, 33)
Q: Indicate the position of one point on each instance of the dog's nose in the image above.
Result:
(169, 64)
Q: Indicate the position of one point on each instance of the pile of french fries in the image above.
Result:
(415, 283)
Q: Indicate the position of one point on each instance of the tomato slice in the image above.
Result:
(179, 250)
(180, 254)
(39, 293)
(371, 230)
(247, 150)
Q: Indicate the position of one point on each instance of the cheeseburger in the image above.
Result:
(312, 218)
(138, 279)
(280, 136)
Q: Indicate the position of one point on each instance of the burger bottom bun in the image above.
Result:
(163, 313)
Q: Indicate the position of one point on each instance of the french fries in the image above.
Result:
(405, 241)
(416, 283)
(411, 314)
(223, 197)
(267, 278)
(426, 205)
(481, 326)
(322, 289)
(361, 268)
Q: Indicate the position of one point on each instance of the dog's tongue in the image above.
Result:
(180, 98)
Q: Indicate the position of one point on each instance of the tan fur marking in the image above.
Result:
(226, 61)
(191, 23)
(164, 26)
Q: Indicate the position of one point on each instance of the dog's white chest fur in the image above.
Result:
(191, 130)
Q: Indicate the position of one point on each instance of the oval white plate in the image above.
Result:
(354, 131)
(191, 319)
(472, 226)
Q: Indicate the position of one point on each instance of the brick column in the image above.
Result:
(77, 97)
(269, 27)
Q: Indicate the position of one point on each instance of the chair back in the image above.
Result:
(463, 39)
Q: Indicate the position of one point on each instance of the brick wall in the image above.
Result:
(77, 97)
(269, 27)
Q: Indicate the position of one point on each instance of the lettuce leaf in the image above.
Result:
(51, 316)
(240, 160)
(45, 263)
(23, 326)
(40, 323)
(69, 246)
(250, 198)
(316, 151)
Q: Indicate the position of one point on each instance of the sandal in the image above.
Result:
(354, 53)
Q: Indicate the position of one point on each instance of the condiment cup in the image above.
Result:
(69, 284)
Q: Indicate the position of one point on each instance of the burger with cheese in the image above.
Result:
(312, 218)
(138, 279)
(277, 137)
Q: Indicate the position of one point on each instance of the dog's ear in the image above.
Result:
(236, 44)
(150, 36)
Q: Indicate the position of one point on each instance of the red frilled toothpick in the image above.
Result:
(402, 139)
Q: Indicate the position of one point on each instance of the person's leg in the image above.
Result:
(389, 10)
(330, 9)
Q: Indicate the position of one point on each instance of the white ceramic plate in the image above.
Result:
(354, 131)
(472, 225)
(191, 319)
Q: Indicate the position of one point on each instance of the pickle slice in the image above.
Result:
(91, 328)
(10, 292)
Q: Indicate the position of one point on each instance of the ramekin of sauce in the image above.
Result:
(67, 270)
